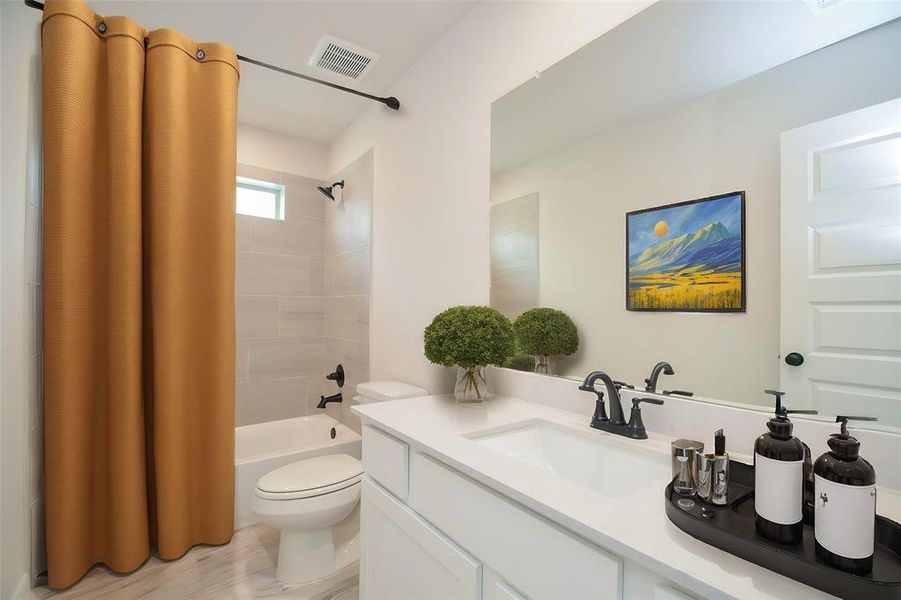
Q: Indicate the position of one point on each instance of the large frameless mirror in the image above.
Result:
(716, 185)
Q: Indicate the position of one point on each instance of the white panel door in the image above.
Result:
(841, 264)
(403, 558)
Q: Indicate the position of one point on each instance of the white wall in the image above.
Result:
(721, 142)
(278, 152)
(20, 339)
(432, 172)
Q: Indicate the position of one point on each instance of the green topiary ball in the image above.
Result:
(469, 337)
(546, 332)
(521, 362)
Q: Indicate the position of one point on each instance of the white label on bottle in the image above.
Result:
(845, 517)
(778, 489)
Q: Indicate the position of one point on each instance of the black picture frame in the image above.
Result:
(743, 277)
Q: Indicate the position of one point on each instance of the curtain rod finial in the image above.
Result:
(392, 103)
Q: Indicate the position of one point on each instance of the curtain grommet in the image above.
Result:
(200, 54)
(101, 27)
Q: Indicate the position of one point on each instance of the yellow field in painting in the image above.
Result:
(686, 290)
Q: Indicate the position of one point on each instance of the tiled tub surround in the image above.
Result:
(279, 304)
(347, 283)
(302, 297)
(514, 255)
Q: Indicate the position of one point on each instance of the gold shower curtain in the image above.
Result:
(139, 182)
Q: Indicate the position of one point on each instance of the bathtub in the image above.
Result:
(262, 447)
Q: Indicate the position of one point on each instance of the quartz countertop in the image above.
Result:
(634, 526)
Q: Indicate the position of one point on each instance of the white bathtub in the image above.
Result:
(262, 447)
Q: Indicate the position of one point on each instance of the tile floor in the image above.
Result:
(243, 569)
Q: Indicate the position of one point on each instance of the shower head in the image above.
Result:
(327, 190)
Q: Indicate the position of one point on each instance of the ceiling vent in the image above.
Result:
(820, 6)
(343, 58)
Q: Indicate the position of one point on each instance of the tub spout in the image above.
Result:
(323, 400)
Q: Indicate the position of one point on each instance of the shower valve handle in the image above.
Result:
(337, 376)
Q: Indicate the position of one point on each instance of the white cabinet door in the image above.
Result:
(841, 263)
(495, 588)
(403, 558)
(539, 559)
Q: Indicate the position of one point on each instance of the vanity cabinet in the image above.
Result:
(402, 556)
(447, 536)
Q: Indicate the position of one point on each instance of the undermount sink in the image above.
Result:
(613, 468)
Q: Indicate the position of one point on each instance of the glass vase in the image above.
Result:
(471, 385)
(542, 364)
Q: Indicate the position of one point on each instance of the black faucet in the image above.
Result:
(616, 423)
(323, 400)
(616, 409)
(651, 382)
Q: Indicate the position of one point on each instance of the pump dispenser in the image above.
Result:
(845, 503)
(779, 477)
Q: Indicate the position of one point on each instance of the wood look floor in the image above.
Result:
(245, 568)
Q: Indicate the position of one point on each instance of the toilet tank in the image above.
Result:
(379, 391)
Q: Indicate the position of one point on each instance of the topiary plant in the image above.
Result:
(546, 332)
(521, 362)
(470, 337)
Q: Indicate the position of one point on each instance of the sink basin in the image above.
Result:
(611, 467)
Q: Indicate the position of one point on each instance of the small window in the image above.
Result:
(260, 198)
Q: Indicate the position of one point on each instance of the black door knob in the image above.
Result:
(794, 359)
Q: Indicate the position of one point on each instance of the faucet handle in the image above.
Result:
(622, 384)
(678, 393)
(637, 401)
(337, 375)
(600, 411)
(636, 425)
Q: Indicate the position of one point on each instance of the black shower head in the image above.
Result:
(327, 190)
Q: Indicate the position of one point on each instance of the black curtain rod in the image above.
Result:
(391, 102)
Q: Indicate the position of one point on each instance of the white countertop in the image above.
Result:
(634, 526)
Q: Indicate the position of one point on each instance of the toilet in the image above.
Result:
(307, 499)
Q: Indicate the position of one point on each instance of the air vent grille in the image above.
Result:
(343, 58)
(820, 6)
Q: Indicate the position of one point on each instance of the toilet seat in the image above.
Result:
(311, 477)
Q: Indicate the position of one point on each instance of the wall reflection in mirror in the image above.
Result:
(792, 112)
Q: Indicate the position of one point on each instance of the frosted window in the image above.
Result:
(258, 198)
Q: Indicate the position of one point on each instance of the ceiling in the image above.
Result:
(286, 33)
(669, 53)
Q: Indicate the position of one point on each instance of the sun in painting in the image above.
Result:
(661, 229)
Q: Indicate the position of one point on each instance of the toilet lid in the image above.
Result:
(310, 477)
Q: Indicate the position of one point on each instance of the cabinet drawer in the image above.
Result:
(540, 559)
(387, 460)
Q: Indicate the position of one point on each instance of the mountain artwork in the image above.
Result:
(687, 256)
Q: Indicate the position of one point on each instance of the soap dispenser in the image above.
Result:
(845, 503)
(779, 477)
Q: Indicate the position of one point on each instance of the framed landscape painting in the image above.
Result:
(688, 256)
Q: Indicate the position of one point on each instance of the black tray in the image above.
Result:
(731, 528)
